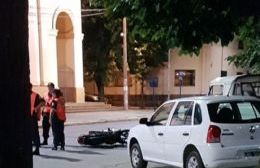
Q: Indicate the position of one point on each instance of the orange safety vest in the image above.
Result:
(47, 106)
(33, 98)
(60, 111)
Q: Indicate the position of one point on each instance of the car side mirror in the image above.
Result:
(143, 121)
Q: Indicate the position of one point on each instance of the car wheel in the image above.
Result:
(193, 160)
(136, 157)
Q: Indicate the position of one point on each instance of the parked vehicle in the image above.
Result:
(198, 132)
(91, 98)
(109, 136)
(236, 85)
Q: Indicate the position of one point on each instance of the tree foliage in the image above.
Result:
(177, 23)
(184, 24)
(249, 36)
(96, 48)
(144, 58)
(103, 47)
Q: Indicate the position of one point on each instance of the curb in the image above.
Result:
(96, 122)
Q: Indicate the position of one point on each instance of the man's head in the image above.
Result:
(51, 86)
(56, 93)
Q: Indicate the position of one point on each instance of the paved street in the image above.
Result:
(82, 156)
(106, 116)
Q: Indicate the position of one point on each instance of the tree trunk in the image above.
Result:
(15, 123)
(101, 90)
(142, 94)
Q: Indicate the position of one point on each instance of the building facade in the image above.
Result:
(197, 72)
(55, 46)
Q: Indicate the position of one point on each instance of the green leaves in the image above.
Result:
(184, 24)
(178, 23)
(249, 56)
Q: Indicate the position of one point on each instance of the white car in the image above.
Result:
(236, 85)
(197, 132)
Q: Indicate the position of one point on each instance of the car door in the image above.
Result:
(177, 133)
(153, 134)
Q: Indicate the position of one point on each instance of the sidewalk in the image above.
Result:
(105, 116)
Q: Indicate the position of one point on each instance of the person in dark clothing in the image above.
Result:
(57, 119)
(46, 113)
(36, 104)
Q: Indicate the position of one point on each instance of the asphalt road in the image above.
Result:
(78, 156)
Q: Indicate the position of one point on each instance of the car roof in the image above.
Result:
(241, 78)
(224, 80)
(219, 98)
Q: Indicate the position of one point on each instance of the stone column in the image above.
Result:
(78, 60)
(50, 68)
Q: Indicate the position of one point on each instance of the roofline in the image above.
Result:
(231, 79)
(217, 98)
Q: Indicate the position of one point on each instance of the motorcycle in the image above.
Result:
(109, 136)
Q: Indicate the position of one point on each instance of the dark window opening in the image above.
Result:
(184, 78)
(223, 73)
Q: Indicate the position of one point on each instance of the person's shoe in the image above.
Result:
(62, 148)
(36, 152)
(44, 142)
(54, 148)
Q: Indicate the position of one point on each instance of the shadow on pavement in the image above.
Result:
(46, 147)
(98, 146)
(83, 152)
(60, 158)
(105, 146)
(76, 151)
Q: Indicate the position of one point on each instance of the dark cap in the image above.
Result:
(50, 84)
(57, 92)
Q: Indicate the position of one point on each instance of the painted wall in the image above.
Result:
(43, 56)
(207, 66)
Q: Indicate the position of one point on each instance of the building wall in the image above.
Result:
(214, 61)
(43, 43)
(34, 44)
(207, 66)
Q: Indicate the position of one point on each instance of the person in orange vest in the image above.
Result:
(58, 118)
(36, 104)
(46, 113)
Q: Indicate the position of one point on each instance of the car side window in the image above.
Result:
(162, 113)
(182, 114)
(197, 115)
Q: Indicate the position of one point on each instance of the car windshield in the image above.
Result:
(216, 90)
(235, 112)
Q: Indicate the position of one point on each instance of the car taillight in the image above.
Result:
(214, 133)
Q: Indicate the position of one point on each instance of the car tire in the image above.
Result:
(136, 157)
(193, 160)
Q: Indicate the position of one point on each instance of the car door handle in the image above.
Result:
(185, 134)
(160, 134)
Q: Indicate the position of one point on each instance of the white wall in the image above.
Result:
(46, 70)
(34, 44)
(214, 60)
(207, 66)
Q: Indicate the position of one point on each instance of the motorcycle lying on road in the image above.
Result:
(109, 136)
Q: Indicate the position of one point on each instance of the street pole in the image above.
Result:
(153, 99)
(180, 85)
(125, 88)
(169, 73)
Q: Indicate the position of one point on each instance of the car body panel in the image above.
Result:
(236, 149)
(176, 137)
